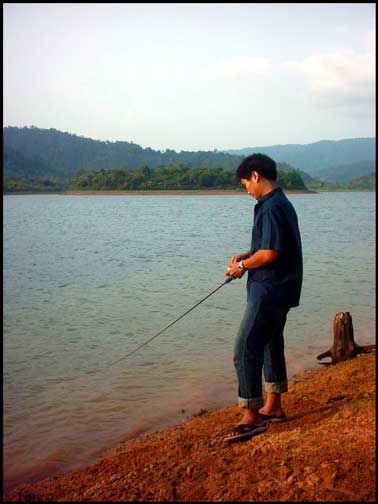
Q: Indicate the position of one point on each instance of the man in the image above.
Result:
(274, 264)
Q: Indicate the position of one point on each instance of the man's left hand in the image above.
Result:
(233, 271)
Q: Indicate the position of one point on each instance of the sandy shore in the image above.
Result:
(324, 451)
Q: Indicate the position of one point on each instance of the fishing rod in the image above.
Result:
(171, 324)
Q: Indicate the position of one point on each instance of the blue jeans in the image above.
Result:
(259, 346)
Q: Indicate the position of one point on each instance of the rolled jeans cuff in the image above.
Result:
(256, 402)
(275, 387)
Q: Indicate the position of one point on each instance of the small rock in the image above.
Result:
(291, 479)
(287, 472)
(309, 482)
(116, 477)
(315, 479)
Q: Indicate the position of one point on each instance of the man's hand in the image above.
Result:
(234, 271)
(236, 258)
(259, 259)
(239, 257)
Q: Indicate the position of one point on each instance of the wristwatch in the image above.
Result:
(241, 266)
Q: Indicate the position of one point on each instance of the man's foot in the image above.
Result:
(272, 416)
(251, 418)
(244, 431)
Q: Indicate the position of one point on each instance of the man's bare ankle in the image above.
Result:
(251, 418)
(271, 411)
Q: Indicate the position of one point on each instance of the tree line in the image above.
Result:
(38, 184)
(177, 178)
(171, 178)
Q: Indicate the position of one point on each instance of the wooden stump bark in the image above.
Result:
(344, 347)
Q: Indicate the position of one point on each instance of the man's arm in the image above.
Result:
(260, 258)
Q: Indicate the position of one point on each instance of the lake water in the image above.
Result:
(89, 278)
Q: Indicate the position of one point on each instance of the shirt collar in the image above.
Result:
(269, 195)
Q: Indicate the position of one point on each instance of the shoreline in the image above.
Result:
(325, 451)
(178, 192)
(189, 192)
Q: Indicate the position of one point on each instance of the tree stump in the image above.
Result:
(344, 347)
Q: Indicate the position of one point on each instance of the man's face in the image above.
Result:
(251, 185)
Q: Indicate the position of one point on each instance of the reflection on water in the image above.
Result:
(87, 279)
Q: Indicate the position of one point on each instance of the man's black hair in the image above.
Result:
(260, 163)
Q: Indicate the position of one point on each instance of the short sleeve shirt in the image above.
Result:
(275, 227)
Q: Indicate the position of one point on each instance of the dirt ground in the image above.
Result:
(325, 451)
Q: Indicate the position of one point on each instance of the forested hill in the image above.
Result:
(30, 152)
(345, 173)
(322, 158)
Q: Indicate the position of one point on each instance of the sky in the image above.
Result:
(191, 76)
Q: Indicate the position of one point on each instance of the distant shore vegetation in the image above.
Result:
(165, 178)
(38, 184)
(168, 178)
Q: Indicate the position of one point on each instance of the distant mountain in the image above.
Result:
(16, 164)
(366, 182)
(31, 152)
(346, 172)
(65, 154)
(319, 158)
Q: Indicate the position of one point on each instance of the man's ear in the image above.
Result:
(255, 176)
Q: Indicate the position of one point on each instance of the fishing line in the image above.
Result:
(171, 324)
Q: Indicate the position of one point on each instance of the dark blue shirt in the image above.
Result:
(275, 227)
